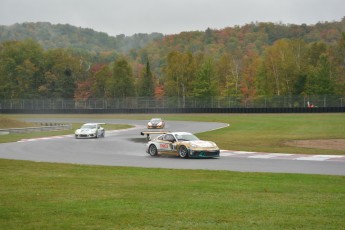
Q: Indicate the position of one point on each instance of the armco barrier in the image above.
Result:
(176, 110)
(36, 129)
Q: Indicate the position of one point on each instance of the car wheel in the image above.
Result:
(183, 152)
(103, 134)
(153, 150)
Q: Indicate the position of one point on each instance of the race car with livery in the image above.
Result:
(156, 123)
(182, 144)
(90, 130)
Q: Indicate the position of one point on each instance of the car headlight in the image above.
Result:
(149, 124)
(214, 145)
(193, 145)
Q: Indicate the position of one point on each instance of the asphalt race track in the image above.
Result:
(127, 148)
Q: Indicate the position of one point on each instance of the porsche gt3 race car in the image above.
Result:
(156, 123)
(90, 130)
(182, 144)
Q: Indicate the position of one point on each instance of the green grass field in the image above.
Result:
(37, 195)
(62, 196)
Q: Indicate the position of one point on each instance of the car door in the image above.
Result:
(166, 144)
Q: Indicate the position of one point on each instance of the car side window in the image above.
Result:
(169, 137)
(160, 138)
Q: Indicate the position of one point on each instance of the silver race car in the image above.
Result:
(90, 130)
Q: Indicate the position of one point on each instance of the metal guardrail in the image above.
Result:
(36, 129)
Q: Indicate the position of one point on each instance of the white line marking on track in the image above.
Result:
(43, 138)
(285, 156)
(318, 157)
(270, 155)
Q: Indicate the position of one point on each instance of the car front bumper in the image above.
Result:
(155, 127)
(91, 135)
(204, 153)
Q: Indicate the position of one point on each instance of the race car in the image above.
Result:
(156, 123)
(182, 144)
(90, 130)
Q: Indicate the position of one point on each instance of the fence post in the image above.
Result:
(324, 100)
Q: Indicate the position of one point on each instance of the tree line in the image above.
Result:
(287, 67)
(196, 64)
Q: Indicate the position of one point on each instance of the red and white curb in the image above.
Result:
(286, 156)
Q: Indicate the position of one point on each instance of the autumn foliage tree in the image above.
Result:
(205, 85)
(179, 73)
(248, 82)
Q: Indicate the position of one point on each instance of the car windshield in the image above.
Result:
(88, 127)
(186, 137)
(155, 120)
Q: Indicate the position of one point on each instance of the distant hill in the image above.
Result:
(67, 36)
(213, 42)
(239, 40)
(259, 34)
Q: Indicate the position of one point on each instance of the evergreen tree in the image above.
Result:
(147, 84)
(300, 85)
(320, 81)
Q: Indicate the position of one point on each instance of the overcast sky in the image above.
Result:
(128, 17)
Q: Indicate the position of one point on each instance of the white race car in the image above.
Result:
(90, 130)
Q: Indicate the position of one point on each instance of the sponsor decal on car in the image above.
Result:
(164, 145)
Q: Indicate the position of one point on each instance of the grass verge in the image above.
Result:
(61, 196)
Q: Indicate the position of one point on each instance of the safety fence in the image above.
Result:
(319, 103)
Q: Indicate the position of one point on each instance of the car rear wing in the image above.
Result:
(148, 133)
(99, 124)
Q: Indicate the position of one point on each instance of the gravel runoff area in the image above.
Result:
(336, 144)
